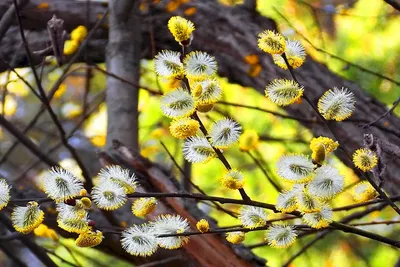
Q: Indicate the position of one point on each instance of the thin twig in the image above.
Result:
(46, 102)
(336, 225)
(99, 99)
(334, 56)
(365, 126)
(272, 182)
(321, 235)
(375, 223)
(217, 206)
(305, 120)
(220, 156)
(357, 205)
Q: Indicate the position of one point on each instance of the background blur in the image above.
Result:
(364, 32)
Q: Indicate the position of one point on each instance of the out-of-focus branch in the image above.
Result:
(46, 102)
(32, 147)
(57, 84)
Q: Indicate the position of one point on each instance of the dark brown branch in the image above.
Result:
(353, 206)
(383, 115)
(335, 225)
(305, 120)
(57, 84)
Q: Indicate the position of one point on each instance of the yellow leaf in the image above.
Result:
(98, 140)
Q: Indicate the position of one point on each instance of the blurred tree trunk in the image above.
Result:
(123, 59)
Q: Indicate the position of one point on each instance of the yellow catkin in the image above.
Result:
(271, 42)
(32, 218)
(330, 145)
(235, 237)
(233, 179)
(318, 154)
(40, 231)
(89, 239)
(184, 128)
(365, 159)
(83, 193)
(204, 108)
(79, 33)
(203, 226)
(86, 202)
(144, 206)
